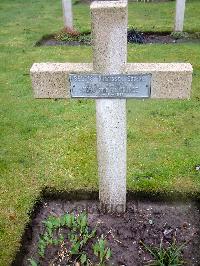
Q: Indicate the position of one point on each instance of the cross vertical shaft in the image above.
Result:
(67, 14)
(109, 29)
(179, 18)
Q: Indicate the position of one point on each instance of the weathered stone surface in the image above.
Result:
(109, 31)
(179, 17)
(169, 80)
(67, 14)
(109, 21)
(51, 80)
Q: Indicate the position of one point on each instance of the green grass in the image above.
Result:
(47, 143)
(170, 255)
(160, 16)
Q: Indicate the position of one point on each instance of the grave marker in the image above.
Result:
(67, 14)
(162, 80)
(179, 17)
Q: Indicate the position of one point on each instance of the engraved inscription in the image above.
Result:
(110, 86)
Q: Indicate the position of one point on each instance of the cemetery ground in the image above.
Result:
(51, 144)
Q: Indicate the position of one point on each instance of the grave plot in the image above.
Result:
(65, 38)
(53, 143)
(112, 231)
(129, 238)
(70, 37)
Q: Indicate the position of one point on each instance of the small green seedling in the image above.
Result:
(179, 35)
(165, 256)
(102, 251)
(84, 37)
(78, 235)
(32, 262)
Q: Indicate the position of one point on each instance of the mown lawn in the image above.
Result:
(47, 143)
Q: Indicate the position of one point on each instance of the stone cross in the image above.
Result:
(67, 14)
(109, 32)
(179, 18)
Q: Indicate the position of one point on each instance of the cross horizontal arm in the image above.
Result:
(169, 80)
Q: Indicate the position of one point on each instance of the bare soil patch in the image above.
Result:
(144, 221)
(63, 38)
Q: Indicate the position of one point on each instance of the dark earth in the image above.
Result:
(144, 221)
(133, 36)
(150, 1)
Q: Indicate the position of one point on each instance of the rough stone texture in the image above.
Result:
(109, 35)
(51, 80)
(169, 80)
(179, 17)
(109, 31)
(67, 14)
